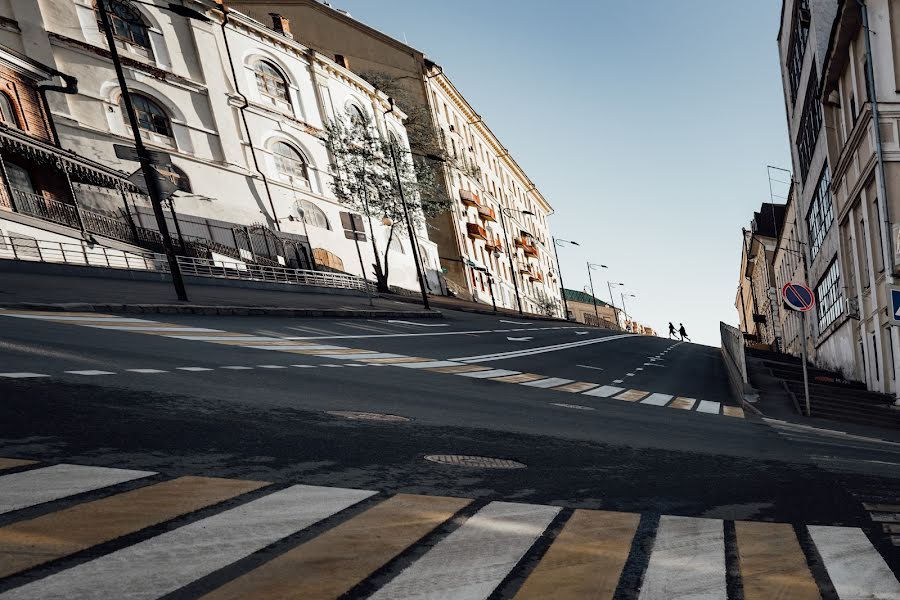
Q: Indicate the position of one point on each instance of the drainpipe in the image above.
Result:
(242, 108)
(70, 87)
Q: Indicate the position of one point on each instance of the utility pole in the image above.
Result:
(412, 235)
(150, 174)
(512, 270)
(593, 296)
(562, 288)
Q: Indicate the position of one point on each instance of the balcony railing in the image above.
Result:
(476, 231)
(493, 243)
(487, 213)
(36, 205)
(469, 198)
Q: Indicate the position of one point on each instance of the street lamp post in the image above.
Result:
(562, 289)
(412, 235)
(150, 175)
(613, 301)
(624, 310)
(593, 296)
(512, 270)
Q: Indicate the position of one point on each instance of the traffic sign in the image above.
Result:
(895, 306)
(166, 186)
(797, 296)
(157, 157)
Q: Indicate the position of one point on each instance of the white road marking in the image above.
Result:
(590, 367)
(708, 406)
(155, 328)
(581, 332)
(427, 365)
(604, 391)
(22, 375)
(516, 322)
(639, 369)
(687, 561)
(420, 324)
(312, 330)
(650, 364)
(332, 366)
(64, 317)
(91, 372)
(296, 347)
(167, 562)
(197, 369)
(491, 373)
(30, 488)
(575, 406)
(146, 371)
(237, 368)
(629, 374)
(618, 380)
(472, 561)
(227, 338)
(271, 366)
(548, 383)
(393, 335)
(539, 350)
(356, 365)
(657, 399)
(305, 366)
(854, 566)
(519, 339)
(382, 355)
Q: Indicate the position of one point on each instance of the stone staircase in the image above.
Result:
(780, 377)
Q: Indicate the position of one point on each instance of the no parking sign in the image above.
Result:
(797, 296)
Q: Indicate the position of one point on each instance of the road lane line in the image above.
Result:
(329, 565)
(472, 561)
(306, 347)
(398, 335)
(585, 560)
(146, 371)
(460, 369)
(854, 566)
(167, 562)
(683, 403)
(604, 391)
(193, 369)
(91, 372)
(550, 382)
(271, 366)
(224, 338)
(631, 395)
(30, 488)
(539, 349)
(489, 373)
(577, 387)
(22, 375)
(657, 399)
(687, 561)
(520, 378)
(158, 327)
(237, 368)
(708, 406)
(428, 365)
(618, 381)
(773, 567)
(26, 544)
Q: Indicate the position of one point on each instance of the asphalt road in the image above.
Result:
(144, 401)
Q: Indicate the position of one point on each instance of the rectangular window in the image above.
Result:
(829, 298)
(821, 214)
(810, 124)
(797, 48)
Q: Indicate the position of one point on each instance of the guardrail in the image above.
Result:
(733, 346)
(73, 253)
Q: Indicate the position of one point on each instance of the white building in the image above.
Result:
(238, 105)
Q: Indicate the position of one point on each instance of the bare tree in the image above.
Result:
(545, 304)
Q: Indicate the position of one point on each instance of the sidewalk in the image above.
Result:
(65, 292)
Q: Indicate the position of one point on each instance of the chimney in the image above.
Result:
(342, 60)
(281, 25)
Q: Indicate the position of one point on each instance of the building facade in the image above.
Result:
(238, 104)
(585, 308)
(497, 232)
(758, 300)
(789, 265)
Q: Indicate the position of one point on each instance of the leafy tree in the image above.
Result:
(545, 304)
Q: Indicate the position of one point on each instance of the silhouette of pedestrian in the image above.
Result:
(672, 332)
(683, 332)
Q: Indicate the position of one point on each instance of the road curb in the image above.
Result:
(242, 311)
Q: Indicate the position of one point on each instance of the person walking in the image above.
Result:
(683, 332)
(672, 332)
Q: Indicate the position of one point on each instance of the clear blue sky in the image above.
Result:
(647, 125)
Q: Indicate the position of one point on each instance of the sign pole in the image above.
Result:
(800, 298)
(803, 358)
(362, 267)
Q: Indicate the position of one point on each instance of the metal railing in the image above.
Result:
(73, 253)
(45, 208)
(254, 272)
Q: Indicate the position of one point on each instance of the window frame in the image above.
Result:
(266, 72)
(307, 208)
(138, 98)
(820, 215)
(810, 125)
(829, 297)
(6, 102)
(797, 48)
(132, 35)
(295, 157)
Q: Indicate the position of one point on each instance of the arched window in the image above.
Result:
(7, 111)
(179, 178)
(313, 215)
(150, 116)
(358, 118)
(290, 162)
(271, 82)
(19, 179)
(128, 25)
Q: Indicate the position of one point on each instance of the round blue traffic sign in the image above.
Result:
(797, 296)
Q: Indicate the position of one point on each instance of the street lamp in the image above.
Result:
(590, 266)
(612, 300)
(512, 270)
(150, 174)
(562, 289)
(624, 310)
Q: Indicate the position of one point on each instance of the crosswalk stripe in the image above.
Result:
(472, 561)
(683, 403)
(383, 356)
(687, 561)
(26, 544)
(577, 387)
(631, 395)
(306, 347)
(657, 399)
(854, 566)
(585, 560)
(161, 327)
(708, 406)
(391, 359)
(460, 369)
(490, 373)
(733, 411)
(520, 378)
(550, 382)
(331, 564)
(227, 339)
(12, 463)
(30, 488)
(169, 561)
(604, 391)
(773, 566)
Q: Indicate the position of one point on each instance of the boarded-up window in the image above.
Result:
(328, 259)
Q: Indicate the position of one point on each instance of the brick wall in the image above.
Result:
(26, 102)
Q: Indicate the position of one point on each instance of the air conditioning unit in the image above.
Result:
(851, 307)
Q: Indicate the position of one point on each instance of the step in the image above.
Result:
(850, 396)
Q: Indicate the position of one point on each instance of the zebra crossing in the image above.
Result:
(310, 347)
(193, 535)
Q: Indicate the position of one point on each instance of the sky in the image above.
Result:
(648, 126)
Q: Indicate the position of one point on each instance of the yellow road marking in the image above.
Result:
(12, 463)
(585, 560)
(773, 566)
(683, 403)
(577, 387)
(733, 411)
(29, 543)
(459, 369)
(631, 395)
(331, 564)
(520, 378)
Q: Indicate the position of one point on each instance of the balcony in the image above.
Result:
(469, 198)
(476, 231)
(536, 276)
(45, 208)
(487, 213)
(493, 243)
(530, 251)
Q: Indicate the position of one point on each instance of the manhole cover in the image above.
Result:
(366, 416)
(478, 462)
